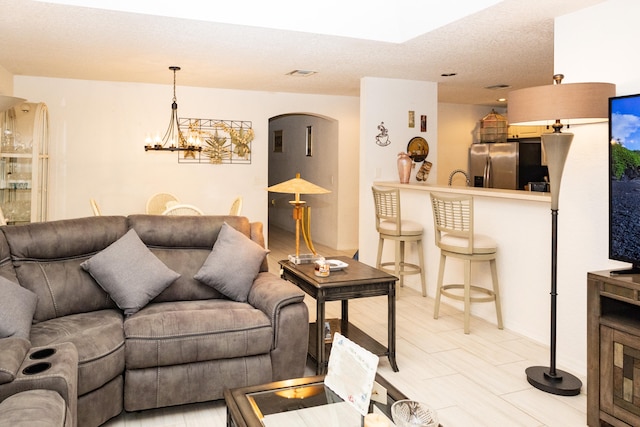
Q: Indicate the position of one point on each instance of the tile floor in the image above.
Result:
(472, 380)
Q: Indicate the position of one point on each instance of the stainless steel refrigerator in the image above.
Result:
(509, 165)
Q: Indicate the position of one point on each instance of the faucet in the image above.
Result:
(466, 175)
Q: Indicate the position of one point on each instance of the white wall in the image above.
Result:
(97, 138)
(6, 82)
(388, 101)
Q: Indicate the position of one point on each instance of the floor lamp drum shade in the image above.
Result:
(575, 103)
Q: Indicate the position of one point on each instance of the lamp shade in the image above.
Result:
(577, 103)
(298, 185)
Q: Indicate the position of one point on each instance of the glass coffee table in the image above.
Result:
(299, 402)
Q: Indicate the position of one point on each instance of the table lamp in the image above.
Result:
(575, 103)
(301, 214)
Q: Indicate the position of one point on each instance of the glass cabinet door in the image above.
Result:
(24, 163)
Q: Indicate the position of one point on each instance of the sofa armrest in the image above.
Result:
(13, 350)
(270, 293)
(54, 368)
(284, 303)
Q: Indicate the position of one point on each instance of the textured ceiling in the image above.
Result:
(510, 43)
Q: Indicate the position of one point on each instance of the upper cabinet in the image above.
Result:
(24, 163)
(525, 131)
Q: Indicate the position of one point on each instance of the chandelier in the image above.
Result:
(173, 139)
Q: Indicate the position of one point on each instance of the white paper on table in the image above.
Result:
(339, 414)
(351, 372)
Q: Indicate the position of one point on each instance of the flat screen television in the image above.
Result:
(624, 181)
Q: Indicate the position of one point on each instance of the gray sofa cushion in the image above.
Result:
(183, 243)
(98, 338)
(233, 264)
(182, 332)
(17, 306)
(52, 271)
(130, 273)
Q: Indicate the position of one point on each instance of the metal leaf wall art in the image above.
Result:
(220, 141)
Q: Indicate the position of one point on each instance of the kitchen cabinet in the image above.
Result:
(515, 132)
(24, 163)
(613, 349)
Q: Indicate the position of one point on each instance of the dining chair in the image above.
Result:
(94, 207)
(157, 203)
(455, 236)
(182, 209)
(236, 206)
(3, 220)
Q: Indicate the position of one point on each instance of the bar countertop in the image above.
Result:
(499, 193)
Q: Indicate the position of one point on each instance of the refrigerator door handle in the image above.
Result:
(487, 173)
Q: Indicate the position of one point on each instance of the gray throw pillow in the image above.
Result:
(130, 273)
(233, 264)
(17, 306)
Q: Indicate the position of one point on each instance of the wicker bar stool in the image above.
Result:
(391, 226)
(453, 223)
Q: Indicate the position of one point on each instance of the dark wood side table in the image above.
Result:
(358, 280)
(613, 349)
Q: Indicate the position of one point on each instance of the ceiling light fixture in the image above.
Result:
(173, 139)
(301, 73)
(498, 87)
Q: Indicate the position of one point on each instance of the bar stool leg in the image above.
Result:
(436, 309)
(496, 291)
(467, 295)
(380, 246)
(421, 264)
(399, 261)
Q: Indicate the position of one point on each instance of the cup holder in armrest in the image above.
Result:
(36, 368)
(42, 354)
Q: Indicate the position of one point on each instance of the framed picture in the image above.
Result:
(277, 141)
(412, 119)
(309, 141)
(423, 123)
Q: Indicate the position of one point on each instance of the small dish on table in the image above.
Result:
(336, 265)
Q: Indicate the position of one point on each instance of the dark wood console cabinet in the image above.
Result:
(613, 349)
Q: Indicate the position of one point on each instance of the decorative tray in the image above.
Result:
(335, 265)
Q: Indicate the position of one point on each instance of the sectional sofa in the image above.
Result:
(138, 312)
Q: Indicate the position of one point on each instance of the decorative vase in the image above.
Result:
(404, 167)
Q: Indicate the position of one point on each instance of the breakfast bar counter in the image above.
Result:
(520, 223)
(498, 193)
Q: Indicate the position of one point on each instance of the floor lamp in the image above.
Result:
(301, 214)
(575, 103)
